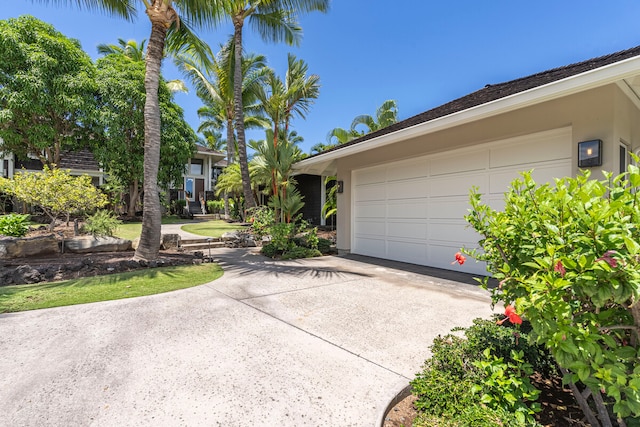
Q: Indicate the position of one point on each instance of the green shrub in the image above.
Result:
(566, 256)
(215, 206)
(102, 223)
(14, 225)
(298, 252)
(324, 245)
(464, 380)
(269, 250)
(262, 219)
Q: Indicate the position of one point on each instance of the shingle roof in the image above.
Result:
(497, 91)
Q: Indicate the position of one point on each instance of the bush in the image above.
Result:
(14, 225)
(298, 252)
(566, 256)
(269, 250)
(179, 205)
(102, 223)
(465, 380)
(324, 245)
(215, 206)
(262, 219)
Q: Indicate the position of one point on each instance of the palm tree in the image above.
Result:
(129, 48)
(275, 20)
(167, 27)
(214, 86)
(386, 115)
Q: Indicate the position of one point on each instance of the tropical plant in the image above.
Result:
(129, 48)
(214, 86)
(47, 91)
(14, 225)
(175, 30)
(386, 115)
(275, 20)
(102, 223)
(566, 257)
(55, 191)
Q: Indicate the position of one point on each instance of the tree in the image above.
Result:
(47, 91)
(386, 115)
(275, 20)
(130, 48)
(55, 191)
(167, 27)
(214, 85)
(120, 81)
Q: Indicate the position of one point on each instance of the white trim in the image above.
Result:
(629, 92)
(578, 83)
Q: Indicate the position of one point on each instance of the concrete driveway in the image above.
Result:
(319, 342)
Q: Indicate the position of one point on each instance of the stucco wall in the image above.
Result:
(603, 113)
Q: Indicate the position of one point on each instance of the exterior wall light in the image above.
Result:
(590, 153)
(340, 186)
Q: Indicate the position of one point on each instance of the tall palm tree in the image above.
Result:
(214, 86)
(167, 27)
(275, 20)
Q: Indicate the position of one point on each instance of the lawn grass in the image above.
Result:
(131, 230)
(214, 228)
(105, 288)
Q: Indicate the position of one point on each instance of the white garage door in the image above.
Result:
(413, 210)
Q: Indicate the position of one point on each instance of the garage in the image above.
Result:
(413, 210)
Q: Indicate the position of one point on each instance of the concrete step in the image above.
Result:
(207, 217)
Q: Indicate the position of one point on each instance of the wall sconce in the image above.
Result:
(590, 153)
(340, 186)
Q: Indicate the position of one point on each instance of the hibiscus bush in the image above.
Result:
(566, 257)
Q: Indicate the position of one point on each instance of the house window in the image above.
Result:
(624, 157)
(196, 167)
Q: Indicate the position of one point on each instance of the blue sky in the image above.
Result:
(420, 53)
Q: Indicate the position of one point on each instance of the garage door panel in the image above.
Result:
(367, 193)
(408, 210)
(447, 207)
(407, 189)
(547, 173)
(371, 175)
(543, 147)
(457, 185)
(407, 230)
(371, 247)
(501, 179)
(469, 161)
(452, 231)
(370, 210)
(413, 252)
(409, 170)
(370, 228)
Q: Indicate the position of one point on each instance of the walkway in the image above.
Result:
(319, 342)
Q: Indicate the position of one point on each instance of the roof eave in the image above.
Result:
(578, 83)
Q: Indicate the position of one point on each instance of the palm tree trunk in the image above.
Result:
(249, 202)
(230, 147)
(149, 246)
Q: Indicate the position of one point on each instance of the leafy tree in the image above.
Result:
(55, 191)
(175, 30)
(122, 96)
(47, 91)
(566, 256)
(275, 20)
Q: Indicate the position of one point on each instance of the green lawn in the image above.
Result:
(214, 228)
(105, 288)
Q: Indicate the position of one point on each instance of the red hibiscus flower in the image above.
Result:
(512, 316)
(460, 259)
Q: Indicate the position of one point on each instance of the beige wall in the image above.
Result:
(604, 113)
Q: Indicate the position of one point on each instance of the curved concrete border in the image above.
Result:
(406, 391)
